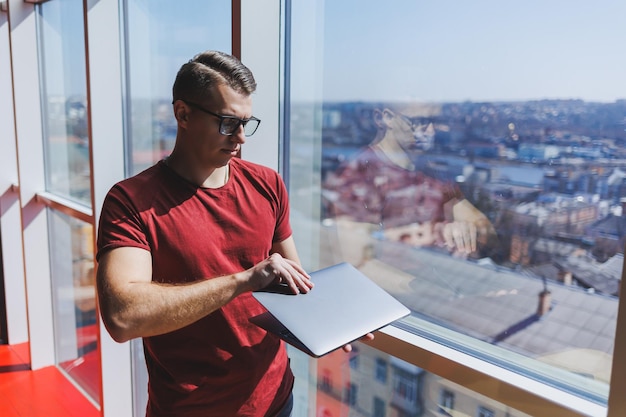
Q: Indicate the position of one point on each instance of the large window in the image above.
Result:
(162, 35)
(74, 299)
(64, 92)
(412, 121)
(409, 391)
(68, 177)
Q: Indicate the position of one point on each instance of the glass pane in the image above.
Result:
(161, 36)
(64, 90)
(417, 127)
(405, 391)
(74, 300)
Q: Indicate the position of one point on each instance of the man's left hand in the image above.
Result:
(368, 337)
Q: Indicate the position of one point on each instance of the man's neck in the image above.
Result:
(395, 154)
(213, 178)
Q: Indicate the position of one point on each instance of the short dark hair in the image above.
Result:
(196, 78)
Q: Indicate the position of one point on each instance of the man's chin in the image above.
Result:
(417, 148)
(422, 146)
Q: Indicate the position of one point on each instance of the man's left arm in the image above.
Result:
(287, 249)
(469, 228)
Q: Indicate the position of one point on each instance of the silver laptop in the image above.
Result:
(343, 305)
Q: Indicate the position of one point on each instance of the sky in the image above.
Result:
(457, 50)
(373, 50)
(164, 34)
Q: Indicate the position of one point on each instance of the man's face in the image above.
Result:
(203, 129)
(424, 135)
(411, 136)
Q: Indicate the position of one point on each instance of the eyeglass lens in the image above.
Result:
(230, 125)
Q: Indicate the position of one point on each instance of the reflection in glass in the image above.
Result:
(62, 49)
(161, 37)
(74, 301)
(418, 143)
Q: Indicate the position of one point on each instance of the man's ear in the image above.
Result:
(383, 117)
(379, 118)
(181, 111)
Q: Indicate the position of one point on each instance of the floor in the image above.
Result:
(44, 392)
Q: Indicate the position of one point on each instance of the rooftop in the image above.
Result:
(496, 305)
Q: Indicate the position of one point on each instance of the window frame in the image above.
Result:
(381, 371)
(350, 393)
(378, 407)
(483, 411)
(10, 212)
(446, 399)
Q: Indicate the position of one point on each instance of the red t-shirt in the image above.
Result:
(370, 188)
(221, 365)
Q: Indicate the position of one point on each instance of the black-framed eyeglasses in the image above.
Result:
(230, 124)
(408, 120)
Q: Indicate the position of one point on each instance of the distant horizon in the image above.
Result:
(478, 100)
(530, 100)
(167, 100)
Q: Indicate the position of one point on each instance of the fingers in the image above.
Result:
(287, 272)
(368, 337)
(460, 236)
(472, 235)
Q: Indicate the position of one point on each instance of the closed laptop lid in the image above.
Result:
(343, 305)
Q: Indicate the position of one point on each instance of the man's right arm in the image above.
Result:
(132, 305)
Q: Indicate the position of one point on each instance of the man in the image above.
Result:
(383, 186)
(181, 246)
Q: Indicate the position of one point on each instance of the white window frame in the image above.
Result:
(10, 207)
(107, 143)
(31, 179)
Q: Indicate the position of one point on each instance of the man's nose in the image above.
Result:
(239, 136)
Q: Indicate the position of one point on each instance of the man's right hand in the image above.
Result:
(278, 270)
